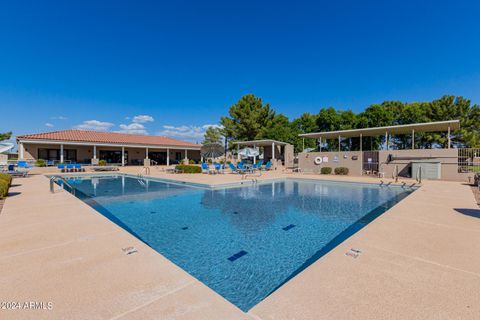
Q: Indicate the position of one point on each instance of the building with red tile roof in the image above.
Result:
(91, 146)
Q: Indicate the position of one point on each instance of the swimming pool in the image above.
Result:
(243, 242)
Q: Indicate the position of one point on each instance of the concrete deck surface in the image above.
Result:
(419, 260)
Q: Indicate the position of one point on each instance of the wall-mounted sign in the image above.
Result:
(335, 159)
(354, 157)
(325, 159)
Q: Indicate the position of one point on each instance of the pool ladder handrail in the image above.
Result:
(147, 172)
(55, 179)
(419, 175)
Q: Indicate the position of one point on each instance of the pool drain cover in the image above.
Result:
(354, 253)
(129, 250)
(237, 255)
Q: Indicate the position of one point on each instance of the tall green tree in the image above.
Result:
(247, 118)
(250, 119)
(5, 136)
(212, 135)
(280, 129)
(306, 123)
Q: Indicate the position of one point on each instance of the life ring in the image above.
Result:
(318, 160)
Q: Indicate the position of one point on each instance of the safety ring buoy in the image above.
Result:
(318, 160)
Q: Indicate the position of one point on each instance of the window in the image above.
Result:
(54, 154)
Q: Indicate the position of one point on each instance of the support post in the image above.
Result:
(146, 153)
(254, 157)
(339, 144)
(186, 156)
(168, 156)
(413, 139)
(20, 151)
(361, 155)
(320, 145)
(303, 144)
(449, 139)
(123, 157)
(361, 142)
(386, 140)
(273, 150)
(238, 152)
(61, 153)
(94, 152)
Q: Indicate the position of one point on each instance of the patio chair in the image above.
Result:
(61, 167)
(268, 166)
(70, 167)
(79, 168)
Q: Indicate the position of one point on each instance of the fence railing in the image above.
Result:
(469, 160)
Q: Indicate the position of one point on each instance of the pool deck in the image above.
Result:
(419, 260)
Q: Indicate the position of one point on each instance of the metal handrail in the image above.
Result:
(55, 179)
(147, 171)
(419, 175)
(395, 173)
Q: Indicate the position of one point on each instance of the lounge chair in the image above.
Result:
(70, 167)
(235, 169)
(23, 165)
(61, 167)
(246, 170)
(15, 173)
(207, 169)
(79, 168)
(219, 168)
(105, 168)
(268, 166)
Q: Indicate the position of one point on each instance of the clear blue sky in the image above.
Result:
(185, 62)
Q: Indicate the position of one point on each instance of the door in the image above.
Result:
(370, 162)
(158, 157)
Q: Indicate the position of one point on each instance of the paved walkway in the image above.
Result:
(419, 260)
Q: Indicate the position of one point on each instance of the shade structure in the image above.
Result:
(249, 152)
(6, 146)
(212, 150)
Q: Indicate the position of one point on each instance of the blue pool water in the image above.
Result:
(243, 242)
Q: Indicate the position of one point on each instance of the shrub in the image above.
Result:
(189, 168)
(209, 161)
(40, 163)
(341, 171)
(191, 161)
(5, 182)
(102, 163)
(326, 170)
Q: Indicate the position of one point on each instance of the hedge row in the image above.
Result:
(188, 168)
(5, 182)
(338, 171)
